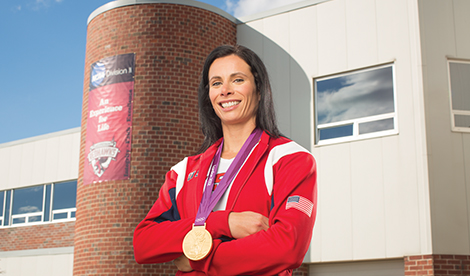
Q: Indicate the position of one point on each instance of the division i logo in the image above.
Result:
(98, 73)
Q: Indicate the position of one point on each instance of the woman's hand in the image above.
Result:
(246, 223)
(241, 225)
(182, 263)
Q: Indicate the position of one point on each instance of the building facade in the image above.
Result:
(377, 90)
(38, 191)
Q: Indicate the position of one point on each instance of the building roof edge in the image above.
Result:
(192, 3)
(280, 10)
(41, 137)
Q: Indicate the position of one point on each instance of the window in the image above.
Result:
(2, 209)
(459, 74)
(63, 204)
(27, 205)
(355, 105)
(38, 204)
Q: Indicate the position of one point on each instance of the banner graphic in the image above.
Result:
(109, 122)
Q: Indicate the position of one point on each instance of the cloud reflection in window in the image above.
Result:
(27, 200)
(356, 95)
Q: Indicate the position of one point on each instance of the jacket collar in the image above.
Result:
(208, 155)
(244, 173)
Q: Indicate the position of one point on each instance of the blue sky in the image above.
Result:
(43, 54)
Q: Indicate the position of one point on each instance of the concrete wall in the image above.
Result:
(445, 33)
(373, 194)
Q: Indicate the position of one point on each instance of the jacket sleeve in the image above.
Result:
(159, 237)
(284, 245)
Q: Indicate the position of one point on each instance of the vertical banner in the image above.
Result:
(109, 123)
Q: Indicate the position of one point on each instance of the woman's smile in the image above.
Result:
(229, 104)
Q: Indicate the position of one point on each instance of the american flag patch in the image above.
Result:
(300, 203)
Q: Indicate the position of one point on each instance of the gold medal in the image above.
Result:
(197, 243)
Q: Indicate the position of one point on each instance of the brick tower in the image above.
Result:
(170, 40)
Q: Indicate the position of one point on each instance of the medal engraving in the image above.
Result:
(197, 243)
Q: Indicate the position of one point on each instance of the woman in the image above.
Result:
(258, 219)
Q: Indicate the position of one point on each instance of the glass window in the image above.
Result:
(38, 204)
(459, 73)
(27, 205)
(6, 220)
(2, 201)
(64, 199)
(355, 105)
(47, 203)
(335, 132)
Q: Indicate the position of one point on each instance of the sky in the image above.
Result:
(43, 57)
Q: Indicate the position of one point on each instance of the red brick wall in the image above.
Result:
(419, 265)
(437, 265)
(170, 42)
(48, 235)
(451, 265)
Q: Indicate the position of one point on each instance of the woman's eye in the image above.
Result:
(239, 80)
(216, 83)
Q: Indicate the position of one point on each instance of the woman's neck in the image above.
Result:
(234, 138)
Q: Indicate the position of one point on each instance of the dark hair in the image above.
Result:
(211, 126)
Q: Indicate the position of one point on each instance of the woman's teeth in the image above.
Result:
(229, 104)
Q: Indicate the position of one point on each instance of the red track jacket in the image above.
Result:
(278, 180)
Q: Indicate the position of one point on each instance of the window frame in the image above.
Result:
(68, 211)
(355, 122)
(452, 111)
(2, 215)
(27, 216)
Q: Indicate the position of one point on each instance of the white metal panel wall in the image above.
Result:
(445, 32)
(361, 32)
(333, 232)
(365, 268)
(373, 194)
(49, 158)
(301, 44)
(46, 265)
(292, 82)
(276, 29)
(331, 41)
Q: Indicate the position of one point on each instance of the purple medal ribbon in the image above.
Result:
(209, 199)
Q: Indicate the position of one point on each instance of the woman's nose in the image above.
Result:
(226, 89)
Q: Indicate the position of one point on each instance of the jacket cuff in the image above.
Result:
(217, 224)
(203, 265)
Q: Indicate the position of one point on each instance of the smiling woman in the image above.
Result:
(265, 116)
(236, 208)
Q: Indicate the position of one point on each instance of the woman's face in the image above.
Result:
(232, 91)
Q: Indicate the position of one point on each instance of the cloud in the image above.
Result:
(356, 95)
(28, 209)
(41, 3)
(37, 5)
(240, 8)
